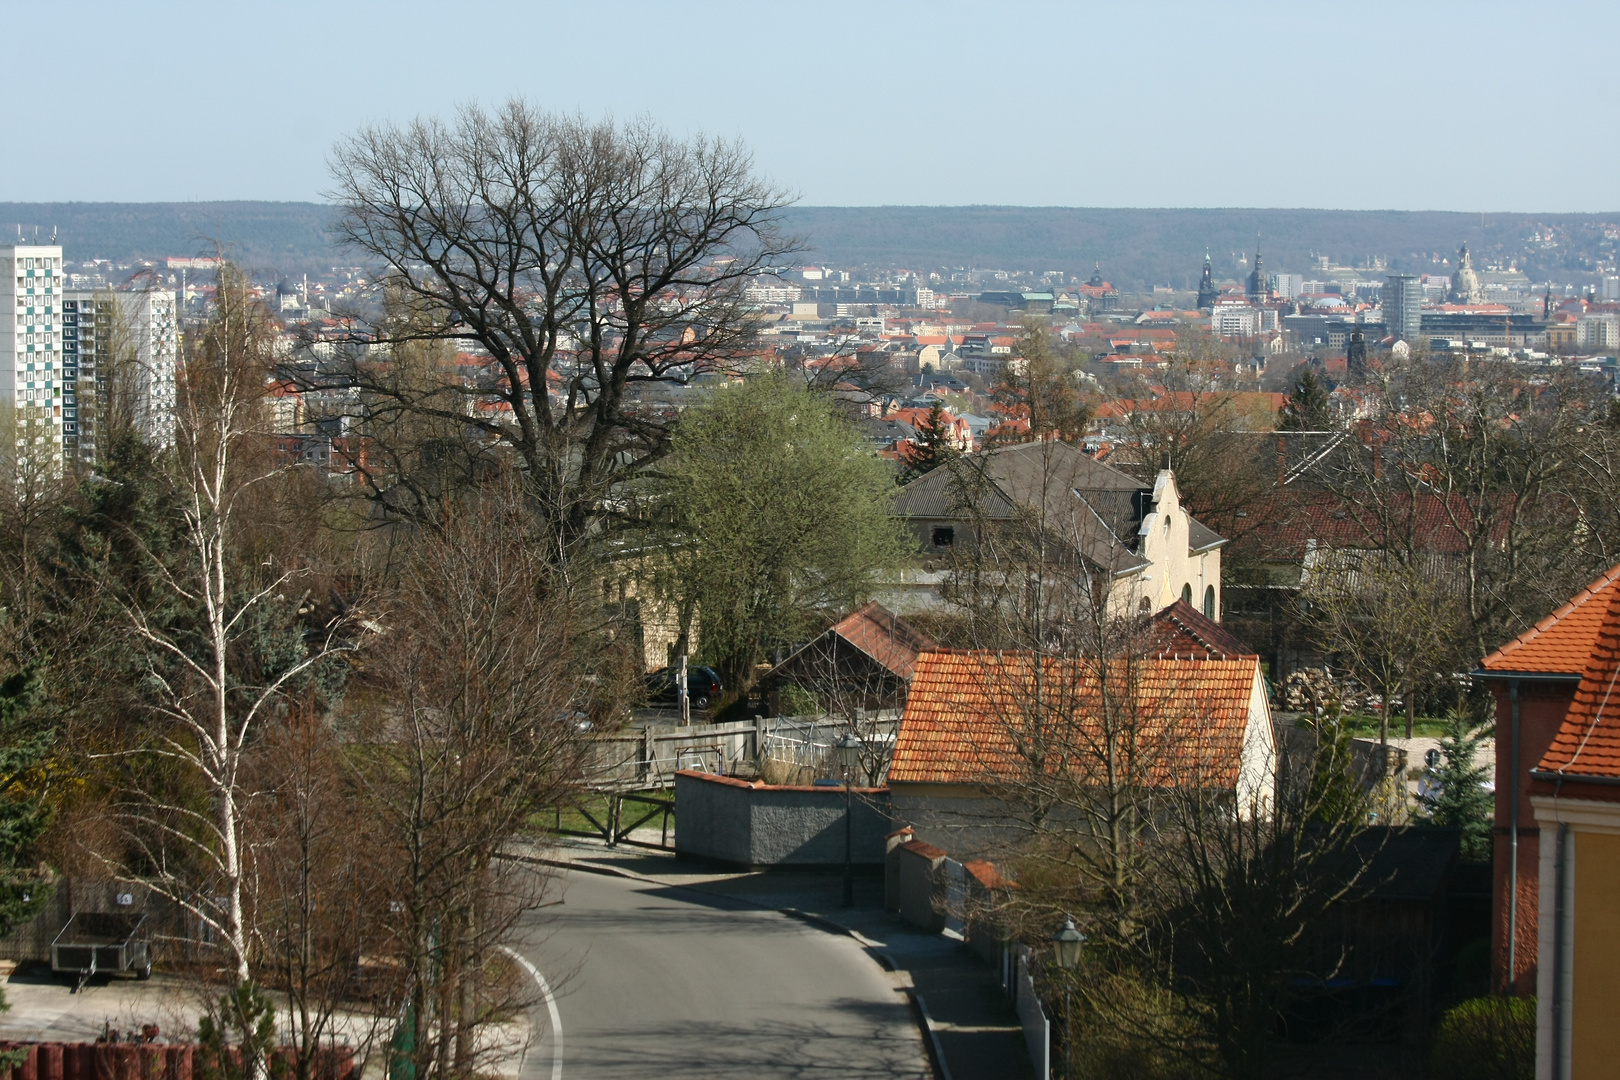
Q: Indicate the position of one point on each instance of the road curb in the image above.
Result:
(925, 1023)
(936, 1052)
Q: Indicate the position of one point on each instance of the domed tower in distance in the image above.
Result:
(1465, 287)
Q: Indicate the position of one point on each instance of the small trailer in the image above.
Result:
(94, 941)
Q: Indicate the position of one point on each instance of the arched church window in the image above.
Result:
(1209, 602)
(1186, 594)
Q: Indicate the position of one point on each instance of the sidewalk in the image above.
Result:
(969, 1018)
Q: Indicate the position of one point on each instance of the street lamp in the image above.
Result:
(1066, 947)
(849, 755)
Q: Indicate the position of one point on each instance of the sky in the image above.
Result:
(1412, 105)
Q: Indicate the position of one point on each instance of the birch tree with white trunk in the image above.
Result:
(218, 594)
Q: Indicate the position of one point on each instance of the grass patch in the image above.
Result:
(571, 818)
(1361, 725)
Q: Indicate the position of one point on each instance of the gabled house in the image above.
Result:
(1536, 680)
(1138, 540)
(1575, 795)
(865, 660)
(1201, 724)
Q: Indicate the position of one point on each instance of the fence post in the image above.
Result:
(647, 746)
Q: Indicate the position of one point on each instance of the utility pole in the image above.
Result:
(686, 700)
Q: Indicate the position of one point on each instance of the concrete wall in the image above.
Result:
(918, 884)
(726, 820)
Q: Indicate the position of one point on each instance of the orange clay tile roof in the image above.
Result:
(1183, 630)
(1560, 644)
(1588, 741)
(968, 712)
(884, 636)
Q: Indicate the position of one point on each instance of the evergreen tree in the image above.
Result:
(933, 447)
(1307, 407)
(24, 814)
(1458, 798)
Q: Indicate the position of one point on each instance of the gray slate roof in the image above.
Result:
(1094, 506)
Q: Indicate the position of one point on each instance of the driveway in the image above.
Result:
(649, 980)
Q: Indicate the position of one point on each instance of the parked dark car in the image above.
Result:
(702, 686)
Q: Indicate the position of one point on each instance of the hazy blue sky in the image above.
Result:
(1403, 105)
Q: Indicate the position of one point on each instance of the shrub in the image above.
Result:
(797, 701)
(1486, 1038)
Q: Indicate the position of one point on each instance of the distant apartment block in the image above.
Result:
(1403, 306)
(1598, 332)
(32, 375)
(123, 348)
(1287, 286)
(1241, 320)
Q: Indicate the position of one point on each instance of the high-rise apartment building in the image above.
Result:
(1403, 307)
(123, 347)
(32, 372)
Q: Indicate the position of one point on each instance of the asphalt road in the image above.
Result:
(650, 981)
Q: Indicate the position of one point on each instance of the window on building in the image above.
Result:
(1145, 606)
(1186, 593)
(943, 536)
(1209, 602)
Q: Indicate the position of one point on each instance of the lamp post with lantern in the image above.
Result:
(849, 757)
(1066, 946)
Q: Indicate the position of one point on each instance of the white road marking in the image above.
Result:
(551, 1007)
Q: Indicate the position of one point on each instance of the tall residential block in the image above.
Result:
(123, 347)
(33, 376)
(1403, 307)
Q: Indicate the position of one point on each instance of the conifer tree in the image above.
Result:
(1307, 407)
(933, 447)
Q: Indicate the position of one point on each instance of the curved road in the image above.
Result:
(661, 982)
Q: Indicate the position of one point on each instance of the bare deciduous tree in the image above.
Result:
(471, 719)
(218, 639)
(590, 261)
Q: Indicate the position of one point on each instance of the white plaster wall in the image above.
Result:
(1163, 543)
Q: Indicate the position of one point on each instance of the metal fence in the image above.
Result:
(650, 757)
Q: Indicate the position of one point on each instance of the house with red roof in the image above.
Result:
(961, 755)
(1558, 828)
(1554, 723)
(865, 660)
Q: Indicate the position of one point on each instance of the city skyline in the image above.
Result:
(1388, 107)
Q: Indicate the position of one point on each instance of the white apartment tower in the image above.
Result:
(122, 347)
(32, 376)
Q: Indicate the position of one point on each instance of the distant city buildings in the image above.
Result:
(1403, 306)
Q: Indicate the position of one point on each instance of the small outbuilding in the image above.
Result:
(864, 661)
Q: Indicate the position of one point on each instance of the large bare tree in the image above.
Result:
(590, 261)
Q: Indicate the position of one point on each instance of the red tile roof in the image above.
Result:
(1588, 742)
(1562, 643)
(884, 636)
(1183, 630)
(969, 712)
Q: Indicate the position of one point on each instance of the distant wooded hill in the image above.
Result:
(1135, 248)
